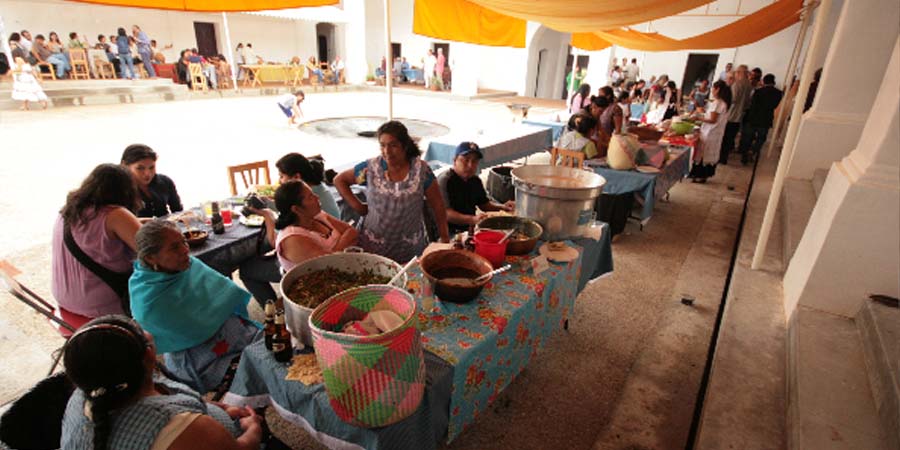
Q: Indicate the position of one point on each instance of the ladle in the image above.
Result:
(479, 279)
(403, 270)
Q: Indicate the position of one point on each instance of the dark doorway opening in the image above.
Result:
(700, 66)
(323, 48)
(582, 64)
(444, 47)
(325, 45)
(205, 32)
(396, 50)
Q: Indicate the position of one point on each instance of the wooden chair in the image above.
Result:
(105, 69)
(223, 77)
(81, 70)
(298, 73)
(250, 175)
(198, 80)
(567, 158)
(64, 322)
(50, 73)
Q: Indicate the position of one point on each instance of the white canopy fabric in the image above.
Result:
(316, 14)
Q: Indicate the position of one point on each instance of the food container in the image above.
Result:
(515, 246)
(442, 264)
(296, 316)
(499, 184)
(373, 380)
(561, 199)
(646, 133)
(682, 128)
(195, 238)
(487, 244)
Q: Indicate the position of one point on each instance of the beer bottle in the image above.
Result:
(218, 224)
(269, 328)
(281, 342)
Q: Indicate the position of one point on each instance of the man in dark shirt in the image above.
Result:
(759, 117)
(463, 191)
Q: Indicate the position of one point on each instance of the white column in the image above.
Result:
(853, 69)
(355, 41)
(466, 60)
(851, 246)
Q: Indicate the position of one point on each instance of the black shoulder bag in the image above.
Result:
(117, 281)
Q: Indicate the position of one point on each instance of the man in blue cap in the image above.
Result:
(463, 191)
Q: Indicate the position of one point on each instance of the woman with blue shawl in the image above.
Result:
(197, 316)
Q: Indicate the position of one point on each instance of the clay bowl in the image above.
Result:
(528, 227)
(449, 272)
(195, 238)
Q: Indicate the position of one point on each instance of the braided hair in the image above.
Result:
(105, 359)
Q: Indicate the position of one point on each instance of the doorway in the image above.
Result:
(205, 32)
(396, 50)
(700, 66)
(541, 67)
(444, 47)
(582, 64)
(325, 42)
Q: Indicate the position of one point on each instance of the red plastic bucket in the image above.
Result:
(486, 245)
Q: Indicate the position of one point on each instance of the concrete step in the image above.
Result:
(830, 402)
(818, 180)
(879, 327)
(798, 198)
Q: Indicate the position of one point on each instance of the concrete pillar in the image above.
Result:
(465, 59)
(355, 40)
(851, 246)
(853, 69)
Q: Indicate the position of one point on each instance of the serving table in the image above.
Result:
(498, 144)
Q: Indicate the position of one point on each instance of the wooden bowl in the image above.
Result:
(443, 264)
(530, 228)
(195, 238)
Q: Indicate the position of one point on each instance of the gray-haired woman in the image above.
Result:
(197, 316)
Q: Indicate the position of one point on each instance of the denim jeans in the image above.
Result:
(148, 64)
(126, 62)
(319, 74)
(60, 62)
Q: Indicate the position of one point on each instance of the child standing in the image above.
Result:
(290, 105)
(26, 86)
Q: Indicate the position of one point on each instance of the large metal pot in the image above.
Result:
(561, 199)
(296, 316)
(499, 184)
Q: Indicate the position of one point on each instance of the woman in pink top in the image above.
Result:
(100, 216)
(304, 230)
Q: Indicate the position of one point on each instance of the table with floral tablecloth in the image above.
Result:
(490, 340)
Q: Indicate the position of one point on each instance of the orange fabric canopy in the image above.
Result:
(751, 28)
(502, 22)
(214, 5)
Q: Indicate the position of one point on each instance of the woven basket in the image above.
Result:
(373, 380)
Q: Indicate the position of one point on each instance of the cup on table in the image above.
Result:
(226, 216)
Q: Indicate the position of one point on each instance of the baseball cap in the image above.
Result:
(468, 147)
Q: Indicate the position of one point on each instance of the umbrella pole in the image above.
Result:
(572, 78)
(389, 61)
(234, 81)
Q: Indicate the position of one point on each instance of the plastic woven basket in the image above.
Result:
(373, 380)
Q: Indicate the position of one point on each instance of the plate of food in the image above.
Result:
(266, 190)
(253, 220)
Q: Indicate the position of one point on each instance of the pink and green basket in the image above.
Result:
(373, 380)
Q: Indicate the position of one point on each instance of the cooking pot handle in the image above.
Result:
(354, 249)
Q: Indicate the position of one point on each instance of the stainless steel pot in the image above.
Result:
(296, 316)
(561, 199)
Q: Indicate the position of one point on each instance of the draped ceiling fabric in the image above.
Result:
(213, 5)
(751, 28)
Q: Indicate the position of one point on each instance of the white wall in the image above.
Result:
(273, 39)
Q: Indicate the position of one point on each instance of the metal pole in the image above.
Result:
(389, 61)
(787, 81)
(790, 141)
(572, 78)
(234, 80)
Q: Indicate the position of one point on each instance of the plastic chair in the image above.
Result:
(250, 175)
(80, 67)
(34, 421)
(65, 322)
(567, 158)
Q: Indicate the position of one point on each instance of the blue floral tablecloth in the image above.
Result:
(491, 339)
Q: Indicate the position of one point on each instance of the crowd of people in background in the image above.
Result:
(740, 102)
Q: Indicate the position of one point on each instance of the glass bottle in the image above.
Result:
(269, 328)
(218, 224)
(281, 342)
